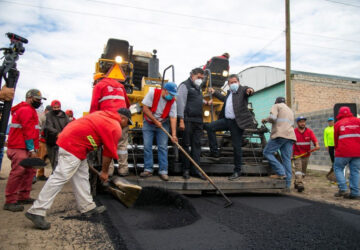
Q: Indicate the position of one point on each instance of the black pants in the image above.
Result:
(332, 153)
(53, 155)
(236, 138)
(192, 138)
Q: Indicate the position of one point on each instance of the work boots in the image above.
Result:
(38, 220)
(13, 207)
(96, 210)
(299, 186)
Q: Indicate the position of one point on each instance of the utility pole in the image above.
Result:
(288, 54)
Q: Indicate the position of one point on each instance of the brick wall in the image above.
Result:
(313, 93)
(317, 121)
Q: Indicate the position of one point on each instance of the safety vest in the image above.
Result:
(156, 99)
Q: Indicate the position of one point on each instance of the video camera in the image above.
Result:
(10, 74)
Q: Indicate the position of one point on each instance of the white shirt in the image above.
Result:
(229, 108)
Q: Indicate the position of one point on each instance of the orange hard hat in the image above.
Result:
(98, 76)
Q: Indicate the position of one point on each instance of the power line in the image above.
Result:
(214, 19)
(347, 4)
(184, 15)
(133, 20)
(267, 45)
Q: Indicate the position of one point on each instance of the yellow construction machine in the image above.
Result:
(138, 71)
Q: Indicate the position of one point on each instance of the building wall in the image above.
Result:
(313, 93)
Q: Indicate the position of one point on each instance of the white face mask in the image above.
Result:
(198, 82)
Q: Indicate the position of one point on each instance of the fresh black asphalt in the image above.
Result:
(253, 222)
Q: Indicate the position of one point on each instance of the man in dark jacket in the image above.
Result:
(190, 113)
(234, 116)
(56, 120)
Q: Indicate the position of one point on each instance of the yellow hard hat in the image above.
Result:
(98, 76)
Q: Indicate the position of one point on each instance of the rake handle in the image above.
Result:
(229, 202)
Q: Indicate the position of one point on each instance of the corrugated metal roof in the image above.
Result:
(260, 77)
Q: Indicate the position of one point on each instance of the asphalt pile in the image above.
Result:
(168, 209)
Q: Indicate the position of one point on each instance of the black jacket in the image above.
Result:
(243, 116)
(54, 124)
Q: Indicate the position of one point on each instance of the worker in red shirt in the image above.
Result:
(347, 151)
(109, 94)
(70, 115)
(23, 142)
(301, 151)
(102, 128)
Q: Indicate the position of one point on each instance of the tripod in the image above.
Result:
(10, 74)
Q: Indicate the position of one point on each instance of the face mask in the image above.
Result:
(198, 82)
(234, 87)
(56, 112)
(36, 104)
(168, 97)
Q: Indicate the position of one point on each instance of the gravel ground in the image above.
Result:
(17, 232)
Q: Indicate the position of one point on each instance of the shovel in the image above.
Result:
(36, 163)
(121, 189)
(228, 201)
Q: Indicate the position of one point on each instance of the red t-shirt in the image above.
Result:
(303, 141)
(101, 128)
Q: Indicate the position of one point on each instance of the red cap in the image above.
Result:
(69, 112)
(55, 102)
(344, 111)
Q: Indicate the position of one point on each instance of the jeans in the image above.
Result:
(191, 137)
(354, 164)
(149, 131)
(236, 137)
(286, 147)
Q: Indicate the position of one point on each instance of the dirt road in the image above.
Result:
(17, 232)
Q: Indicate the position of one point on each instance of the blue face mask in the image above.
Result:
(234, 87)
(168, 97)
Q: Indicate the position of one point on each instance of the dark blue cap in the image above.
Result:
(301, 118)
(171, 88)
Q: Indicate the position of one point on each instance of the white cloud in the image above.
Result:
(65, 44)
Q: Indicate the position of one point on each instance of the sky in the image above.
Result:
(66, 38)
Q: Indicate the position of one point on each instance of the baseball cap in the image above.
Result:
(55, 102)
(280, 99)
(34, 93)
(171, 87)
(330, 119)
(300, 118)
(126, 112)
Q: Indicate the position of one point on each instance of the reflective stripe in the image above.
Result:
(122, 152)
(273, 117)
(299, 173)
(349, 136)
(109, 97)
(303, 143)
(15, 125)
(284, 120)
(92, 142)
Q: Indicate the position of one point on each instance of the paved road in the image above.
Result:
(253, 222)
